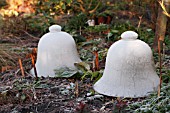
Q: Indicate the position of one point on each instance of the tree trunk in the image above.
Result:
(161, 25)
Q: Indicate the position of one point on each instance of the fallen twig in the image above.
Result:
(30, 35)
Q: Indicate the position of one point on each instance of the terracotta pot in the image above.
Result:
(101, 20)
(108, 20)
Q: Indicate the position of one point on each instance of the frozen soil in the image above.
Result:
(25, 94)
(20, 94)
(53, 95)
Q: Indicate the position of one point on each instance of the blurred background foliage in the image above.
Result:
(38, 15)
(35, 16)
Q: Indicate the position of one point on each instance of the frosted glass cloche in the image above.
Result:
(56, 49)
(129, 69)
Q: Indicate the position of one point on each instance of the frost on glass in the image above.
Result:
(129, 69)
(56, 49)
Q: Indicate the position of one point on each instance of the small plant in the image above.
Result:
(53, 7)
(147, 35)
(117, 29)
(77, 37)
(39, 23)
(167, 42)
(83, 71)
(76, 22)
(153, 104)
(21, 91)
(65, 72)
(97, 28)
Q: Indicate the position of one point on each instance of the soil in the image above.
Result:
(25, 94)
(53, 96)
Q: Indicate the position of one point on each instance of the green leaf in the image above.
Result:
(68, 1)
(63, 6)
(42, 86)
(94, 74)
(37, 83)
(23, 97)
(88, 73)
(65, 72)
(98, 76)
(82, 66)
(4, 92)
(68, 73)
(148, 30)
(114, 31)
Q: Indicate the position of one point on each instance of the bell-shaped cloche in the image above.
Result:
(56, 49)
(129, 70)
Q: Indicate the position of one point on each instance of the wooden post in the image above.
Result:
(160, 35)
(160, 67)
(161, 25)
